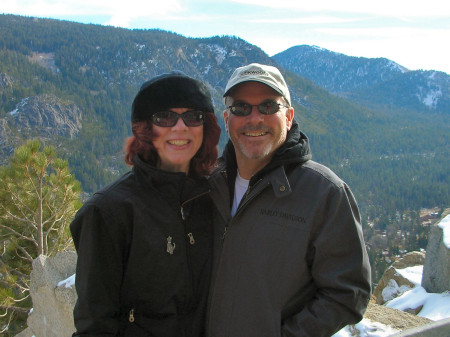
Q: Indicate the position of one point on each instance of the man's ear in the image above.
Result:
(225, 118)
(289, 117)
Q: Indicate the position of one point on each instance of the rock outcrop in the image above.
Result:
(53, 301)
(394, 318)
(436, 270)
(392, 284)
(47, 115)
(5, 80)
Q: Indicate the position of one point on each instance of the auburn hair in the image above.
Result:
(141, 143)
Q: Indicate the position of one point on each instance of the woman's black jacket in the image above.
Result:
(144, 251)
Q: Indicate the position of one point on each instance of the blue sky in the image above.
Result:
(415, 34)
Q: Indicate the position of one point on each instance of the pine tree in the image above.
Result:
(38, 199)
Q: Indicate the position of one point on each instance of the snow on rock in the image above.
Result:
(445, 225)
(68, 282)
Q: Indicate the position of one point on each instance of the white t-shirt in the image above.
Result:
(240, 187)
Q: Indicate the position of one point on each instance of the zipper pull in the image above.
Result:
(224, 233)
(191, 238)
(182, 213)
(131, 317)
(170, 245)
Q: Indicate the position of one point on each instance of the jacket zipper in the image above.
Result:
(183, 216)
(245, 200)
(190, 236)
(131, 316)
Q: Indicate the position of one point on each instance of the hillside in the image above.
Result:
(378, 82)
(394, 159)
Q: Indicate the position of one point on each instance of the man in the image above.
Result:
(290, 258)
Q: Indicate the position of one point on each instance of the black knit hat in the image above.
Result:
(170, 90)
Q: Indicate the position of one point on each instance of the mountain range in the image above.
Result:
(384, 129)
(378, 82)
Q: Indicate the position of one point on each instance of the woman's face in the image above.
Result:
(177, 145)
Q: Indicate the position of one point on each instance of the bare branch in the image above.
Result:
(7, 324)
(24, 298)
(27, 257)
(18, 310)
(23, 220)
(17, 234)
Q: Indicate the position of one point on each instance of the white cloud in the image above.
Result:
(120, 11)
(400, 8)
(303, 20)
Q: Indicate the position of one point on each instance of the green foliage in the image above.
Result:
(38, 199)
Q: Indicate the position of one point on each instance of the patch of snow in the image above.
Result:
(432, 98)
(221, 55)
(395, 66)
(445, 225)
(140, 46)
(220, 52)
(392, 290)
(68, 282)
(434, 306)
(413, 274)
(22, 104)
(366, 328)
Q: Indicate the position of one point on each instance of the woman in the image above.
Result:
(144, 243)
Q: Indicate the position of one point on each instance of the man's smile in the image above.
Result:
(255, 133)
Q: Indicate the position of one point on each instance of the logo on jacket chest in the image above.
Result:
(283, 215)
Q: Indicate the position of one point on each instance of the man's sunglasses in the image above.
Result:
(266, 108)
(170, 118)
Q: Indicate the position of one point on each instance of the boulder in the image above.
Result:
(436, 270)
(410, 259)
(392, 284)
(53, 300)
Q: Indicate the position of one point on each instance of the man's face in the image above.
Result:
(257, 136)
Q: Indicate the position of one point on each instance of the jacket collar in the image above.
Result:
(275, 179)
(168, 183)
(279, 182)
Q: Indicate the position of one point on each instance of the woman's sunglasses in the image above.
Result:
(266, 108)
(170, 118)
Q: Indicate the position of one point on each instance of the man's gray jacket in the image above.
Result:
(292, 261)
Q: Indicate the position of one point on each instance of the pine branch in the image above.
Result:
(14, 309)
(17, 234)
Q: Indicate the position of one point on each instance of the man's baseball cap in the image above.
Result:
(256, 72)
